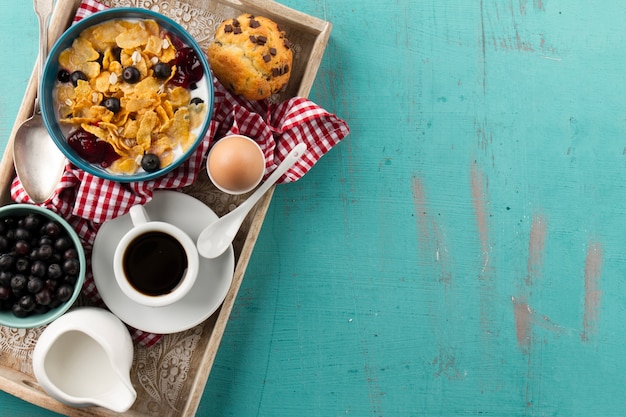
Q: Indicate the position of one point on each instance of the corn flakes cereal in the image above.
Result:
(129, 88)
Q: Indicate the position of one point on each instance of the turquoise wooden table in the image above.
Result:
(463, 251)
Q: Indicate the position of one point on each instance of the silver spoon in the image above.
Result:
(216, 237)
(38, 161)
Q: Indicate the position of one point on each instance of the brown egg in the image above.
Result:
(236, 164)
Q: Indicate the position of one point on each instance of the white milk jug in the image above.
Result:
(84, 358)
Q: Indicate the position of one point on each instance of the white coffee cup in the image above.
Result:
(155, 263)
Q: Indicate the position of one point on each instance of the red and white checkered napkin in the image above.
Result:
(87, 201)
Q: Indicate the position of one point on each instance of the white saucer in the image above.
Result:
(191, 215)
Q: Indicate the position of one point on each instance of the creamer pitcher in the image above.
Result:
(84, 359)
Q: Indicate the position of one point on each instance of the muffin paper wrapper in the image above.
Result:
(87, 201)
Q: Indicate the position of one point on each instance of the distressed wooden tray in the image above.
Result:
(191, 352)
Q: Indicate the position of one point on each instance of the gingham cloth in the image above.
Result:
(87, 201)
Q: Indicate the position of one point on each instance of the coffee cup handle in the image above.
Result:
(138, 215)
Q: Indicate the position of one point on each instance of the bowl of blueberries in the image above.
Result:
(42, 266)
(127, 94)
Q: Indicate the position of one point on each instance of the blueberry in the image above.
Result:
(4, 243)
(71, 266)
(62, 244)
(70, 279)
(38, 269)
(22, 265)
(112, 103)
(162, 70)
(35, 285)
(18, 311)
(131, 75)
(63, 75)
(70, 253)
(55, 271)
(52, 229)
(76, 76)
(45, 252)
(32, 222)
(5, 293)
(22, 234)
(5, 278)
(150, 162)
(22, 247)
(43, 297)
(18, 282)
(56, 258)
(45, 240)
(27, 302)
(6, 262)
(51, 284)
(64, 292)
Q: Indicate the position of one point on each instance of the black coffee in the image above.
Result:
(154, 263)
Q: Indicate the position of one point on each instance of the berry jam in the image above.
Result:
(188, 68)
(93, 150)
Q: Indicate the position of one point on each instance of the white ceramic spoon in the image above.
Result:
(216, 237)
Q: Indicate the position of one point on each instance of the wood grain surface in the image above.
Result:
(462, 252)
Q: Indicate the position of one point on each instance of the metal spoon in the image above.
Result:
(38, 161)
(216, 237)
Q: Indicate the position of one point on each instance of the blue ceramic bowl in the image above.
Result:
(7, 318)
(49, 81)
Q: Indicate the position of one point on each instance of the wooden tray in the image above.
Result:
(190, 353)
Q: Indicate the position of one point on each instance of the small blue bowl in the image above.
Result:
(49, 80)
(7, 318)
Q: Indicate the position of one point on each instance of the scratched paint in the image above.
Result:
(536, 5)
(486, 282)
(505, 23)
(480, 203)
(434, 256)
(432, 240)
(524, 319)
(593, 269)
(522, 315)
(536, 249)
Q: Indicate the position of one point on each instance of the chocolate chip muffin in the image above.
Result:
(251, 56)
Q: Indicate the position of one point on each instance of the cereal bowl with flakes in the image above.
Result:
(127, 94)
